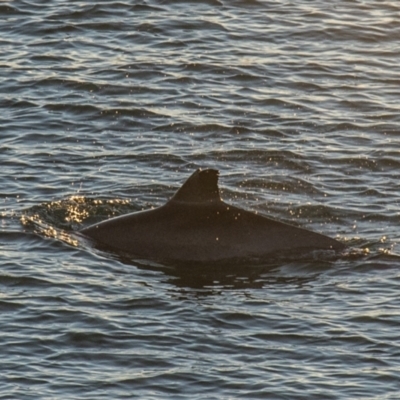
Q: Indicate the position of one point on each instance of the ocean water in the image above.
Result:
(108, 106)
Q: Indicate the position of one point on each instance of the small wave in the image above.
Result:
(60, 219)
(69, 214)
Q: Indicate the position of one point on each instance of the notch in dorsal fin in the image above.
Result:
(200, 187)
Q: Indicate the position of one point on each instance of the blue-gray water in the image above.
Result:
(107, 107)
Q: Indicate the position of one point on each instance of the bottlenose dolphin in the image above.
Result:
(196, 225)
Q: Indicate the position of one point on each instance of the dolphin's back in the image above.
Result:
(198, 232)
(196, 225)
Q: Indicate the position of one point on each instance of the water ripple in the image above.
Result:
(108, 107)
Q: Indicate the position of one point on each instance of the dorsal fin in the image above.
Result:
(200, 187)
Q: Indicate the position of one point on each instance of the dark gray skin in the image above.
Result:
(196, 225)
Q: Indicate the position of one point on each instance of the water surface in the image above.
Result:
(107, 107)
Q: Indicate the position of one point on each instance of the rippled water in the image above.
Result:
(108, 106)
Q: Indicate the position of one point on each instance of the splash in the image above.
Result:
(59, 219)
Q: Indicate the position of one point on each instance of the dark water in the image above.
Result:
(107, 106)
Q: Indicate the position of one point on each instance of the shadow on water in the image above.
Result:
(233, 275)
(288, 270)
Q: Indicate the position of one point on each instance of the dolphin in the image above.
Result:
(196, 225)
